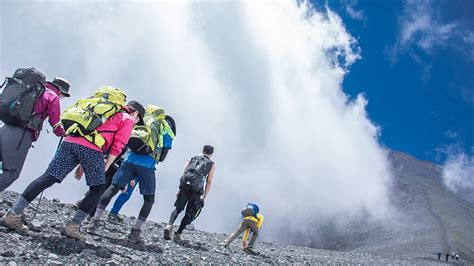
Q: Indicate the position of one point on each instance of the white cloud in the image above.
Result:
(422, 28)
(357, 14)
(458, 173)
(260, 81)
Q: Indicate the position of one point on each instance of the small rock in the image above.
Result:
(112, 262)
(11, 263)
(53, 256)
(104, 253)
(8, 254)
(88, 251)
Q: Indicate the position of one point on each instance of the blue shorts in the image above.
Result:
(70, 155)
(144, 176)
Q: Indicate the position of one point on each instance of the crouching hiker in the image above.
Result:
(252, 220)
(34, 99)
(192, 191)
(84, 145)
(146, 145)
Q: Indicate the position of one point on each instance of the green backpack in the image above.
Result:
(145, 138)
(86, 115)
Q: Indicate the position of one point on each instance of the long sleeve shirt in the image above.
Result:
(47, 106)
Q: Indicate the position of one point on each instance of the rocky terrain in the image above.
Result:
(44, 244)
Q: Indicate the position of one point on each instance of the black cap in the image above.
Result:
(62, 85)
(137, 107)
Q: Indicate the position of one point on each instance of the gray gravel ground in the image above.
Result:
(45, 244)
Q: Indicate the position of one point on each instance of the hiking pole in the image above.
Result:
(41, 195)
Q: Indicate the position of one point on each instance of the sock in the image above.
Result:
(139, 223)
(20, 206)
(79, 216)
(99, 211)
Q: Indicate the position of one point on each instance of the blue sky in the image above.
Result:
(416, 71)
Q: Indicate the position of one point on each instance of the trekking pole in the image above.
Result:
(41, 195)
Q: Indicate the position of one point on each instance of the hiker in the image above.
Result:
(127, 192)
(23, 125)
(457, 257)
(252, 220)
(84, 146)
(439, 255)
(145, 150)
(453, 254)
(194, 187)
(447, 256)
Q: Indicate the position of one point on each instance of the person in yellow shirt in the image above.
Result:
(252, 220)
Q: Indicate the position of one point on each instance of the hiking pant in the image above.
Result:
(123, 198)
(194, 204)
(244, 225)
(15, 142)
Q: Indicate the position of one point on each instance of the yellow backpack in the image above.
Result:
(86, 115)
(145, 138)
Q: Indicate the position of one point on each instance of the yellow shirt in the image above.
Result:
(258, 220)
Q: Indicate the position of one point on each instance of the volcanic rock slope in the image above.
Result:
(44, 244)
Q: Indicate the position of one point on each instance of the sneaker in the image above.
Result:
(72, 230)
(224, 244)
(114, 218)
(93, 225)
(13, 221)
(167, 232)
(177, 237)
(135, 237)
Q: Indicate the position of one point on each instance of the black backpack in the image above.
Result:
(19, 96)
(194, 177)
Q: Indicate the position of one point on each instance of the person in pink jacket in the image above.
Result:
(15, 142)
(76, 151)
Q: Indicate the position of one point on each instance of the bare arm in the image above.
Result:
(110, 160)
(210, 176)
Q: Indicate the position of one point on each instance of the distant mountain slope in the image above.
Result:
(46, 245)
(429, 218)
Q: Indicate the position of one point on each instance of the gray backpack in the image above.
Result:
(19, 96)
(195, 175)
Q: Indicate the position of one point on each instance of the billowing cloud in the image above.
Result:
(458, 173)
(260, 81)
(353, 11)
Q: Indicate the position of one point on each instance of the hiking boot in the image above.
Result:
(167, 232)
(135, 237)
(114, 218)
(77, 204)
(224, 244)
(251, 251)
(177, 237)
(72, 230)
(13, 221)
(93, 225)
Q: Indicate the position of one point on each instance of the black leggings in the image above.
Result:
(45, 181)
(148, 201)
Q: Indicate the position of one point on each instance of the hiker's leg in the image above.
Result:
(108, 180)
(61, 165)
(104, 200)
(32, 191)
(192, 209)
(88, 203)
(181, 200)
(122, 199)
(235, 234)
(120, 180)
(254, 228)
(148, 201)
(15, 144)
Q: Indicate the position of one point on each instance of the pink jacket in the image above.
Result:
(48, 106)
(121, 125)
